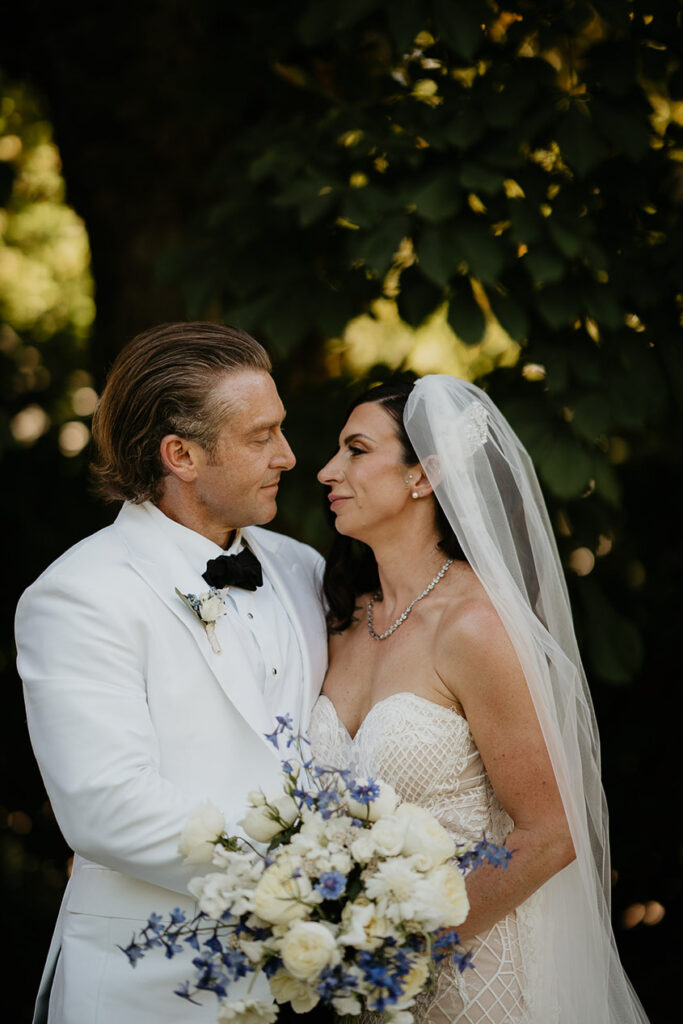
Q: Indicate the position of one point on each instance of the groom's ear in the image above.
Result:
(178, 457)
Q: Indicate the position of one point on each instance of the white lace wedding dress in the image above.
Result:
(427, 753)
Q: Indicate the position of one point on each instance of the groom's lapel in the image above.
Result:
(290, 586)
(164, 567)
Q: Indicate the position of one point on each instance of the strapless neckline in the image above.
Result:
(424, 701)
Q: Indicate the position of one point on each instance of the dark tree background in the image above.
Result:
(282, 166)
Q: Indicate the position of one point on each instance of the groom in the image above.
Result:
(136, 712)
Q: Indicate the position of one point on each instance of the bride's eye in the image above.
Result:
(356, 451)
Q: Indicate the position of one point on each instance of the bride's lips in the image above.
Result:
(336, 501)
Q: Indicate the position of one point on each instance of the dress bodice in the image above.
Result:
(425, 751)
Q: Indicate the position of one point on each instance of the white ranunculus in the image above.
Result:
(363, 927)
(384, 803)
(247, 1011)
(414, 981)
(214, 894)
(199, 836)
(425, 837)
(307, 948)
(278, 897)
(344, 1005)
(211, 607)
(363, 848)
(388, 835)
(264, 822)
(287, 989)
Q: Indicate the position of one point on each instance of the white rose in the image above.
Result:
(425, 837)
(247, 1011)
(287, 989)
(306, 949)
(256, 797)
(278, 897)
(263, 823)
(211, 608)
(384, 803)
(199, 836)
(388, 835)
(440, 898)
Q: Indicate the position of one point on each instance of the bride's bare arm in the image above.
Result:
(478, 664)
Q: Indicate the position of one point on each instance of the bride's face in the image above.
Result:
(368, 479)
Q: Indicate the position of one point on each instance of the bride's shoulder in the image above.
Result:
(471, 638)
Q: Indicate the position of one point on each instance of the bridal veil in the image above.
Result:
(486, 484)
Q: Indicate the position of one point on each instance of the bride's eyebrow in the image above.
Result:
(356, 437)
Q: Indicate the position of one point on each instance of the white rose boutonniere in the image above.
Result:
(207, 607)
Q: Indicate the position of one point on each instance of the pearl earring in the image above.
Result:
(415, 495)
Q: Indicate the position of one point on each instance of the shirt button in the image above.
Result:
(249, 615)
(274, 671)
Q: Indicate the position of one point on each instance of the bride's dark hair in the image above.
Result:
(351, 569)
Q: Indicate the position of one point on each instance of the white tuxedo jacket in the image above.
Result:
(134, 720)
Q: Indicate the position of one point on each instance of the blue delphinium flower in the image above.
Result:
(178, 916)
(133, 952)
(331, 885)
(364, 792)
(171, 947)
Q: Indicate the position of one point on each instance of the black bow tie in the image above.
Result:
(243, 570)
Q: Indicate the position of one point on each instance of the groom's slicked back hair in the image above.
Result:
(164, 382)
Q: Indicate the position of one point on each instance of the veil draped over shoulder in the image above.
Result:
(485, 482)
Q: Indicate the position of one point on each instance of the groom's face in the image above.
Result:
(237, 483)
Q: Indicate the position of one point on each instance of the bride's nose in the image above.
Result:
(331, 471)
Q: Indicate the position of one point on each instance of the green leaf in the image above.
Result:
(484, 253)
(564, 466)
(559, 305)
(602, 305)
(437, 199)
(591, 416)
(477, 177)
(526, 223)
(418, 297)
(613, 644)
(377, 249)
(465, 315)
(459, 25)
(438, 253)
(607, 483)
(581, 146)
(464, 128)
(510, 315)
(406, 18)
(567, 241)
(544, 265)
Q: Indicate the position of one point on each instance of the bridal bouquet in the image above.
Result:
(353, 901)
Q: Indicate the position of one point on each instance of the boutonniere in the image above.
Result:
(207, 607)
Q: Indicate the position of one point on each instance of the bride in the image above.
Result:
(455, 676)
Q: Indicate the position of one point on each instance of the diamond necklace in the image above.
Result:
(404, 615)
